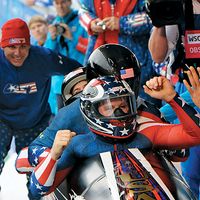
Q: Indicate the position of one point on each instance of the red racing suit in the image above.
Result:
(151, 134)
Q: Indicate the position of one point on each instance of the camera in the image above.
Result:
(102, 24)
(165, 12)
(59, 29)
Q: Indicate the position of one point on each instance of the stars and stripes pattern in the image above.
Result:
(108, 88)
(85, 19)
(39, 161)
(127, 73)
(45, 172)
(195, 117)
(27, 160)
(26, 88)
(37, 188)
(138, 19)
(49, 166)
(43, 177)
(22, 164)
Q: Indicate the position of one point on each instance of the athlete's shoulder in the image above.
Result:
(149, 110)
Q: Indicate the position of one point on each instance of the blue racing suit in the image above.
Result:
(151, 134)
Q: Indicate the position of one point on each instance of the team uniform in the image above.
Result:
(151, 134)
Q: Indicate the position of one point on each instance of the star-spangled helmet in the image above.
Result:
(118, 122)
(115, 59)
(69, 82)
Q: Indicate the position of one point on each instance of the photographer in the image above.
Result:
(164, 39)
(65, 33)
(67, 37)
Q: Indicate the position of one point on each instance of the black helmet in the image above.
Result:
(69, 82)
(116, 60)
(109, 107)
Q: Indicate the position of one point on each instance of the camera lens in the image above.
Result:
(102, 24)
(59, 29)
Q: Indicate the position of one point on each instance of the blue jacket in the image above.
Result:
(68, 117)
(24, 90)
(72, 20)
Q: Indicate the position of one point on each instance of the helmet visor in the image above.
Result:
(115, 107)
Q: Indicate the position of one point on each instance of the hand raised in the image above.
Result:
(160, 88)
(61, 140)
(194, 89)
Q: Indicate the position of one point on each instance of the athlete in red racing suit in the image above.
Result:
(114, 135)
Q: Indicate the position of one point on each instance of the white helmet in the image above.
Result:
(69, 82)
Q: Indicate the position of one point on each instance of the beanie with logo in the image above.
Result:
(15, 32)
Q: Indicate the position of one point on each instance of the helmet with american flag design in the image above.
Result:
(109, 107)
(117, 60)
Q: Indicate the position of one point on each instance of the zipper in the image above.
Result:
(112, 9)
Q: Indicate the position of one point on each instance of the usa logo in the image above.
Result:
(17, 41)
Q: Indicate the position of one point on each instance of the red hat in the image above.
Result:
(15, 32)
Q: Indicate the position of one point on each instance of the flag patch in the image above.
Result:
(127, 73)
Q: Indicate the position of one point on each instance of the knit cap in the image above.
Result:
(15, 32)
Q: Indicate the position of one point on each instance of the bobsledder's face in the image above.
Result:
(79, 87)
(108, 108)
(16, 54)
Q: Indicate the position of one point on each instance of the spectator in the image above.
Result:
(73, 40)
(39, 28)
(25, 86)
(120, 22)
(67, 37)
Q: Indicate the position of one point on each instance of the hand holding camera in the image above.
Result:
(64, 30)
(59, 29)
(108, 23)
(111, 23)
(96, 26)
(102, 24)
